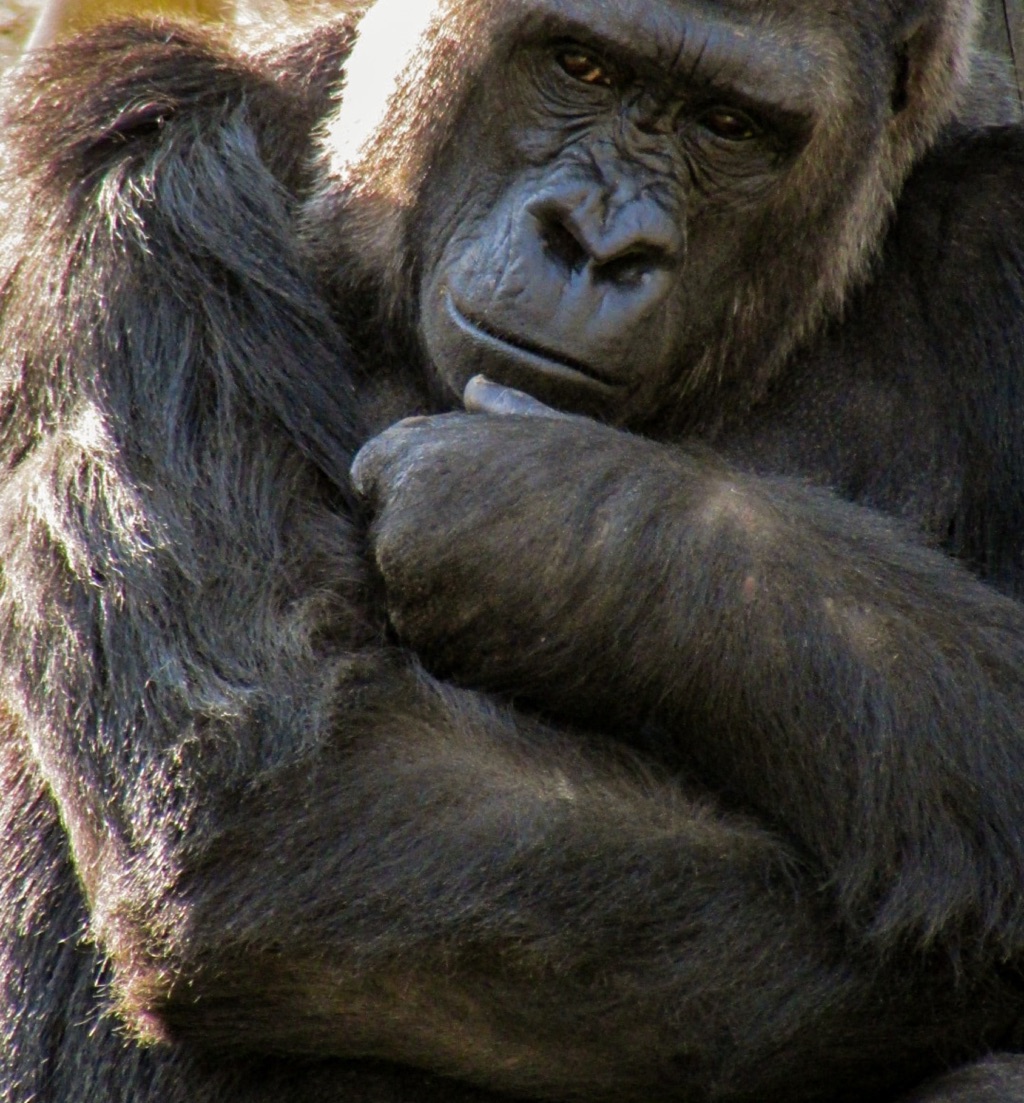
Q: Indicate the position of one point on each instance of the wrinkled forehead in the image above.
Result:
(497, 18)
(814, 42)
(669, 21)
(417, 59)
(748, 43)
(792, 34)
(797, 52)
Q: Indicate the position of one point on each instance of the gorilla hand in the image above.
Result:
(497, 535)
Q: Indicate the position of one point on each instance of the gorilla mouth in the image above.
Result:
(532, 355)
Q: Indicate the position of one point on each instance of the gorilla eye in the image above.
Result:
(583, 67)
(729, 124)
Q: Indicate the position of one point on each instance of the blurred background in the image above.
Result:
(20, 19)
(16, 19)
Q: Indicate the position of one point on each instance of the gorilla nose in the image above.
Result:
(618, 252)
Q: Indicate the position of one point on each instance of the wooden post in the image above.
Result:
(1013, 12)
(1002, 32)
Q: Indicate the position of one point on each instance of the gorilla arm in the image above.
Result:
(806, 655)
(290, 839)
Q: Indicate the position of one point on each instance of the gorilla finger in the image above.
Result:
(369, 466)
(386, 458)
(482, 396)
(379, 453)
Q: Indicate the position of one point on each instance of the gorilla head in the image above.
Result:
(630, 202)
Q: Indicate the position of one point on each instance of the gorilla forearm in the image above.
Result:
(807, 655)
(451, 887)
(426, 879)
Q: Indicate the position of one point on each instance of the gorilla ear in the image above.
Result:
(933, 47)
(900, 95)
(918, 39)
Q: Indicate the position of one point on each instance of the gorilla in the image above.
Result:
(512, 541)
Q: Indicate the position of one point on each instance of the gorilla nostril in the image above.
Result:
(619, 255)
(629, 269)
(561, 244)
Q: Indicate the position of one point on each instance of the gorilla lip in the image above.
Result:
(535, 356)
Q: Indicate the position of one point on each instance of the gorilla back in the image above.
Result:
(652, 731)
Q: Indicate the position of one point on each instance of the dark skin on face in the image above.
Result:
(637, 160)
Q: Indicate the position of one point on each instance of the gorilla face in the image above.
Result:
(641, 199)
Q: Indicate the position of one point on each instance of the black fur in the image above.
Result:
(255, 852)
